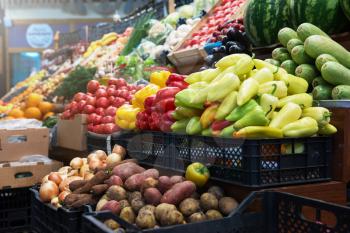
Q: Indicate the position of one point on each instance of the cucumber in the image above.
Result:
(307, 72)
(289, 66)
(292, 43)
(280, 54)
(286, 34)
(322, 92)
(306, 30)
(323, 58)
(319, 81)
(317, 45)
(335, 73)
(299, 55)
(341, 92)
(273, 62)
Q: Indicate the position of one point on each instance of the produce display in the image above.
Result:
(139, 196)
(311, 54)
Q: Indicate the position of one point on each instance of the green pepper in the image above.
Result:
(268, 103)
(256, 117)
(194, 126)
(207, 132)
(320, 114)
(188, 112)
(240, 111)
(177, 116)
(193, 78)
(247, 91)
(184, 97)
(226, 106)
(220, 89)
(305, 127)
(288, 114)
(327, 130)
(303, 99)
(259, 132)
(180, 126)
(227, 132)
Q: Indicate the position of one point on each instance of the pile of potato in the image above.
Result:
(144, 198)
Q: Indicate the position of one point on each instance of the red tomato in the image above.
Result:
(81, 105)
(90, 127)
(110, 128)
(107, 119)
(93, 86)
(79, 96)
(120, 82)
(118, 102)
(88, 109)
(101, 93)
(111, 91)
(110, 111)
(100, 111)
(66, 115)
(91, 100)
(102, 102)
(112, 81)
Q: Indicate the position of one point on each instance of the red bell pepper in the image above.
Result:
(165, 105)
(220, 125)
(175, 78)
(166, 92)
(182, 85)
(165, 126)
(149, 103)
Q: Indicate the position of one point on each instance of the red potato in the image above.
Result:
(126, 170)
(113, 206)
(179, 192)
(176, 179)
(164, 184)
(134, 182)
(114, 180)
(152, 196)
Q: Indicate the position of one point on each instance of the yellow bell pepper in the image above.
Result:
(160, 78)
(125, 117)
(141, 95)
(198, 174)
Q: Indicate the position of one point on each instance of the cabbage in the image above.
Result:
(172, 19)
(186, 11)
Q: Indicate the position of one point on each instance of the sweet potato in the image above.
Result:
(126, 170)
(99, 189)
(74, 185)
(164, 184)
(112, 206)
(179, 192)
(87, 200)
(134, 182)
(98, 178)
(114, 180)
(152, 196)
(71, 198)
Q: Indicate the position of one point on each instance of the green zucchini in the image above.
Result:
(341, 92)
(323, 58)
(306, 30)
(273, 62)
(307, 72)
(319, 81)
(317, 45)
(322, 92)
(286, 34)
(299, 55)
(289, 66)
(292, 43)
(335, 73)
(280, 54)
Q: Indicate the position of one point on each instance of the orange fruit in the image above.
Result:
(47, 115)
(34, 100)
(16, 113)
(32, 112)
(45, 107)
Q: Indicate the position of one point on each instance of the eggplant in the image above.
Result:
(222, 49)
(224, 40)
(236, 47)
(209, 60)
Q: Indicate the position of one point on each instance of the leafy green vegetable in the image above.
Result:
(50, 122)
(75, 82)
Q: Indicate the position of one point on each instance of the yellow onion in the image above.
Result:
(48, 191)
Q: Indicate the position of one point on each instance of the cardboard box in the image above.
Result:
(71, 134)
(14, 144)
(25, 174)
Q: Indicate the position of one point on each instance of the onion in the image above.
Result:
(84, 169)
(48, 190)
(92, 156)
(113, 158)
(119, 150)
(63, 195)
(76, 163)
(85, 161)
(94, 164)
(45, 179)
(101, 155)
(55, 202)
(73, 173)
(64, 185)
(55, 177)
(88, 176)
(64, 170)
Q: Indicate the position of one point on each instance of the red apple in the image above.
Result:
(118, 102)
(111, 91)
(120, 82)
(110, 128)
(74, 107)
(66, 115)
(112, 81)
(102, 102)
(79, 96)
(91, 100)
(90, 127)
(100, 111)
(107, 119)
(88, 109)
(81, 105)
(93, 86)
(101, 93)
(110, 111)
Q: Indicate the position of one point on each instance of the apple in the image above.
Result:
(90, 127)
(111, 91)
(79, 96)
(88, 109)
(120, 82)
(118, 102)
(112, 81)
(90, 100)
(74, 107)
(81, 105)
(101, 93)
(110, 128)
(100, 111)
(110, 111)
(102, 102)
(93, 86)
(107, 119)
(66, 115)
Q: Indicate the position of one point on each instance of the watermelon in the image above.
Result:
(325, 14)
(264, 19)
(345, 4)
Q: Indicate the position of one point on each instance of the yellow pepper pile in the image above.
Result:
(126, 116)
(159, 78)
(140, 96)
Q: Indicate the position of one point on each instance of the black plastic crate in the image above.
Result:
(106, 142)
(15, 210)
(283, 213)
(48, 219)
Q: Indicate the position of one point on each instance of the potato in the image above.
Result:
(227, 205)
(137, 204)
(134, 182)
(164, 184)
(110, 223)
(128, 215)
(126, 170)
(197, 217)
(171, 218)
(113, 206)
(148, 207)
(101, 203)
(213, 214)
(177, 179)
(152, 196)
(195, 195)
(145, 220)
(162, 209)
(116, 192)
(209, 201)
(124, 203)
(134, 195)
(217, 191)
(179, 192)
(149, 183)
(114, 180)
(189, 206)
(119, 150)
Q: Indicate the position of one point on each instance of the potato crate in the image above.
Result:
(250, 163)
(15, 210)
